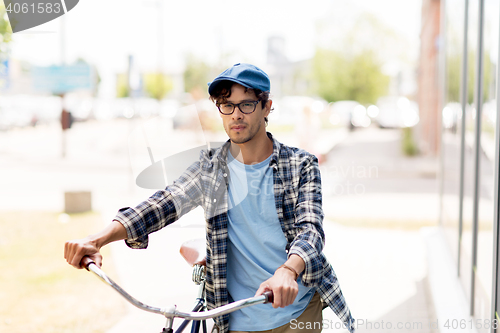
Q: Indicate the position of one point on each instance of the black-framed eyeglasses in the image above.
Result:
(245, 107)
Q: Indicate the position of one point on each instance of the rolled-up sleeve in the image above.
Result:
(309, 240)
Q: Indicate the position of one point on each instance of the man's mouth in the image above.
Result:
(237, 127)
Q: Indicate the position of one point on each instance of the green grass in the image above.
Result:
(39, 291)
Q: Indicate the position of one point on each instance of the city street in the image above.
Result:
(398, 100)
(375, 201)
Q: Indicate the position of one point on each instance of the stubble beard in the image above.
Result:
(250, 136)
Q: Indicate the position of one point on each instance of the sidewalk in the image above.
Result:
(368, 182)
(383, 276)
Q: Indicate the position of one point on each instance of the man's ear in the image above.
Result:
(267, 108)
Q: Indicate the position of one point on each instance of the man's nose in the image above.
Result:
(237, 114)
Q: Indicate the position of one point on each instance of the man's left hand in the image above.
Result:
(283, 286)
(282, 283)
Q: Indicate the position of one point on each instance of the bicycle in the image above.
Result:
(191, 252)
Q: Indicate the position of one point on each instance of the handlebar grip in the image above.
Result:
(269, 297)
(86, 261)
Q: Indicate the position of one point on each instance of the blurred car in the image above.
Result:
(349, 114)
(169, 107)
(289, 110)
(123, 108)
(28, 110)
(103, 109)
(49, 108)
(80, 107)
(372, 111)
(452, 112)
(146, 107)
(490, 112)
(397, 112)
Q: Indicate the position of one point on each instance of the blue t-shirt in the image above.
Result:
(256, 247)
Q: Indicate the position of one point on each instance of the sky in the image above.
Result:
(220, 32)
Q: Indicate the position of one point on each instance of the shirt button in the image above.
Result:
(215, 200)
(225, 174)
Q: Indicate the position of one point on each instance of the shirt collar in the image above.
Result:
(221, 154)
(273, 163)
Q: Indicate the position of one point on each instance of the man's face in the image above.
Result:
(241, 127)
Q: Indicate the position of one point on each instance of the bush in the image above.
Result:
(408, 143)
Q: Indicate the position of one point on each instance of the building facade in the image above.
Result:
(469, 156)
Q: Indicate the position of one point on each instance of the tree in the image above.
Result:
(5, 30)
(5, 38)
(342, 77)
(472, 76)
(157, 85)
(196, 77)
(453, 72)
(122, 89)
(348, 66)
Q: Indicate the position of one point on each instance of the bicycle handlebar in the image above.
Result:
(266, 297)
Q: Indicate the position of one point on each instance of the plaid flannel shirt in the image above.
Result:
(298, 199)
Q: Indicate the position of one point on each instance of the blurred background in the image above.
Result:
(398, 99)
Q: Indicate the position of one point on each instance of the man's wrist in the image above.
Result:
(95, 241)
(296, 262)
(112, 232)
(291, 269)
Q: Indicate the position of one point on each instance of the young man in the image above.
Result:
(263, 209)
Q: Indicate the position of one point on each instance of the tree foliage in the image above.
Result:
(453, 72)
(472, 76)
(454, 77)
(122, 89)
(348, 63)
(196, 77)
(157, 85)
(342, 77)
(5, 30)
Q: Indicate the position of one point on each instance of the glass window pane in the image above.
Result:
(452, 122)
(483, 278)
(470, 119)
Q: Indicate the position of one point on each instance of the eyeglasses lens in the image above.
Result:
(228, 108)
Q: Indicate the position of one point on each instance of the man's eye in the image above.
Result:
(247, 105)
(227, 106)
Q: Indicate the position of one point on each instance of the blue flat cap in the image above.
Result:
(247, 75)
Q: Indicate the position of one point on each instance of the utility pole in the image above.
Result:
(65, 116)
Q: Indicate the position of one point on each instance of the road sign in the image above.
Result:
(61, 79)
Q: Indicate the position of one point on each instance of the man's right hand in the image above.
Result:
(75, 250)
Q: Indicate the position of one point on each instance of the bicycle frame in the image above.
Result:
(170, 313)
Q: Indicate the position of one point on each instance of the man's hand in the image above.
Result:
(75, 250)
(283, 284)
